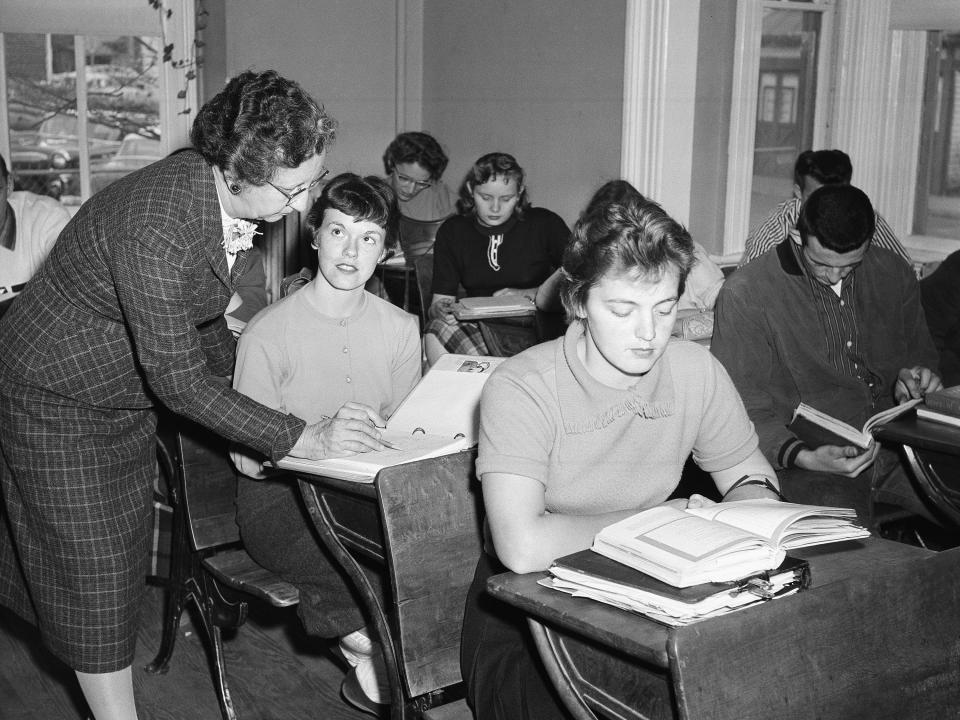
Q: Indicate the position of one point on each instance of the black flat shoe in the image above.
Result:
(354, 695)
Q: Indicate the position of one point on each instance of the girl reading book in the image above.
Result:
(339, 356)
(497, 245)
(586, 430)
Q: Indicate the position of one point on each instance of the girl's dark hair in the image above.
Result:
(258, 123)
(622, 233)
(416, 147)
(488, 167)
(367, 198)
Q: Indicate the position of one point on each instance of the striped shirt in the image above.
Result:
(841, 328)
(782, 223)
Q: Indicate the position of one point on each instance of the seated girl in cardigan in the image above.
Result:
(497, 245)
(331, 353)
(588, 429)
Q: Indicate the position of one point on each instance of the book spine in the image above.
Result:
(944, 401)
(938, 417)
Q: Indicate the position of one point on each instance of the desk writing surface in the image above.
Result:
(879, 629)
(645, 639)
(921, 434)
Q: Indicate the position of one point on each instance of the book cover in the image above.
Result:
(592, 564)
(816, 428)
(945, 400)
(924, 413)
(604, 580)
(441, 415)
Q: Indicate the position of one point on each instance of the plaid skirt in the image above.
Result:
(463, 338)
(76, 484)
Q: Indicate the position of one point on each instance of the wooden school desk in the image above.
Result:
(876, 636)
(419, 525)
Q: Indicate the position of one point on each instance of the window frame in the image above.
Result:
(745, 100)
(176, 27)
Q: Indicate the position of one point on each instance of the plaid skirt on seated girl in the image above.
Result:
(463, 338)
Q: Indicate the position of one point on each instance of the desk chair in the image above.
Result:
(421, 523)
(507, 336)
(423, 272)
(416, 239)
(934, 472)
(209, 566)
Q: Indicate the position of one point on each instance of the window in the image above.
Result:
(57, 68)
(937, 209)
(780, 105)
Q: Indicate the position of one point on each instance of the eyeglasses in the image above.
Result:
(407, 180)
(291, 196)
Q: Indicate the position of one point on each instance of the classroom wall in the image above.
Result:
(341, 51)
(541, 79)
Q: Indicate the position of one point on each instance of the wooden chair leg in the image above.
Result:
(177, 593)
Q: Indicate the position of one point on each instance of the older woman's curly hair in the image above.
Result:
(488, 167)
(416, 147)
(258, 123)
(622, 233)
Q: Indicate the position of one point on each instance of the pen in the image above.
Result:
(389, 444)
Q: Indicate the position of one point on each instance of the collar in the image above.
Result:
(587, 404)
(501, 229)
(8, 231)
(790, 261)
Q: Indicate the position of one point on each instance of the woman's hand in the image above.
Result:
(353, 430)
(442, 309)
(699, 501)
(694, 501)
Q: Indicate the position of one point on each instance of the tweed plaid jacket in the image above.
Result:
(128, 309)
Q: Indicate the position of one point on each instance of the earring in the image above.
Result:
(234, 188)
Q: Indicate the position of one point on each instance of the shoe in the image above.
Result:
(365, 656)
(354, 695)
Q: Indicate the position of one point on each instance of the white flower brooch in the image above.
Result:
(238, 235)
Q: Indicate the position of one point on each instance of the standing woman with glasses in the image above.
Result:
(414, 163)
(126, 316)
(498, 244)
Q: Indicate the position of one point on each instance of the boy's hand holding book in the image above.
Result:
(836, 446)
(845, 460)
(915, 382)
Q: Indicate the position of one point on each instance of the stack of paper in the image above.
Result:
(480, 308)
(590, 575)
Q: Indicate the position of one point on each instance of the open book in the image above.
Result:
(441, 415)
(481, 308)
(816, 428)
(588, 574)
(726, 541)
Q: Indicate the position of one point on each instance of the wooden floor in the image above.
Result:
(274, 672)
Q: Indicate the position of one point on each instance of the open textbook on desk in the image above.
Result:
(726, 541)
(816, 428)
(441, 415)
